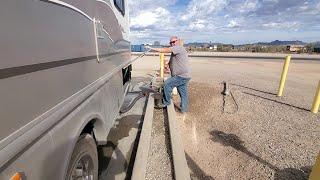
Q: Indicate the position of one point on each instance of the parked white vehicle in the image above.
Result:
(64, 69)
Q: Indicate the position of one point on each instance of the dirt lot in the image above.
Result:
(266, 137)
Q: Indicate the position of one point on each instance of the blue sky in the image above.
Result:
(226, 21)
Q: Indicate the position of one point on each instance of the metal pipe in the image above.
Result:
(315, 173)
(316, 101)
(161, 65)
(225, 89)
(284, 75)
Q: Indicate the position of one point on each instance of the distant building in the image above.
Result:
(214, 47)
(295, 48)
(156, 43)
(141, 47)
(206, 46)
(138, 48)
(240, 48)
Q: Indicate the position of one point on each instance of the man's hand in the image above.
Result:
(161, 50)
(152, 49)
(148, 48)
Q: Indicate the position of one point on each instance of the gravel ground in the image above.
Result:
(268, 138)
(159, 161)
(259, 141)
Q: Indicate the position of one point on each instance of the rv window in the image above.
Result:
(120, 5)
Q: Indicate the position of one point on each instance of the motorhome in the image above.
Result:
(64, 70)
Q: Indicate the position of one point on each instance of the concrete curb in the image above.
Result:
(141, 160)
(180, 165)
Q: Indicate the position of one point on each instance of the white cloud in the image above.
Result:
(282, 25)
(197, 25)
(272, 1)
(204, 8)
(157, 20)
(310, 9)
(149, 18)
(249, 6)
(305, 6)
(233, 24)
(140, 5)
(271, 25)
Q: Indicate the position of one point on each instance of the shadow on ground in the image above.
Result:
(120, 131)
(280, 174)
(286, 104)
(198, 173)
(253, 89)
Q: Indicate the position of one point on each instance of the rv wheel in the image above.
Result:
(84, 160)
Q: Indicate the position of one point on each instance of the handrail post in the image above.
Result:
(161, 65)
(316, 101)
(284, 75)
(315, 173)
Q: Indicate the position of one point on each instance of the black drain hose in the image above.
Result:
(127, 108)
(145, 91)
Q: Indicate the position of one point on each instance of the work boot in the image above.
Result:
(157, 96)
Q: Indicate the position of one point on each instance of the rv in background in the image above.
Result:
(296, 48)
(64, 70)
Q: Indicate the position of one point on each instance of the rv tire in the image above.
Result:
(84, 159)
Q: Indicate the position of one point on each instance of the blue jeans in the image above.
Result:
(181, 84)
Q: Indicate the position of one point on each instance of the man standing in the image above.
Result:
(180, 73)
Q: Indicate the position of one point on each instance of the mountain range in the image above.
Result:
(280, 43)
(273, 43)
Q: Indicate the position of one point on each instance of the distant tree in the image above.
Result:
(310, 47)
